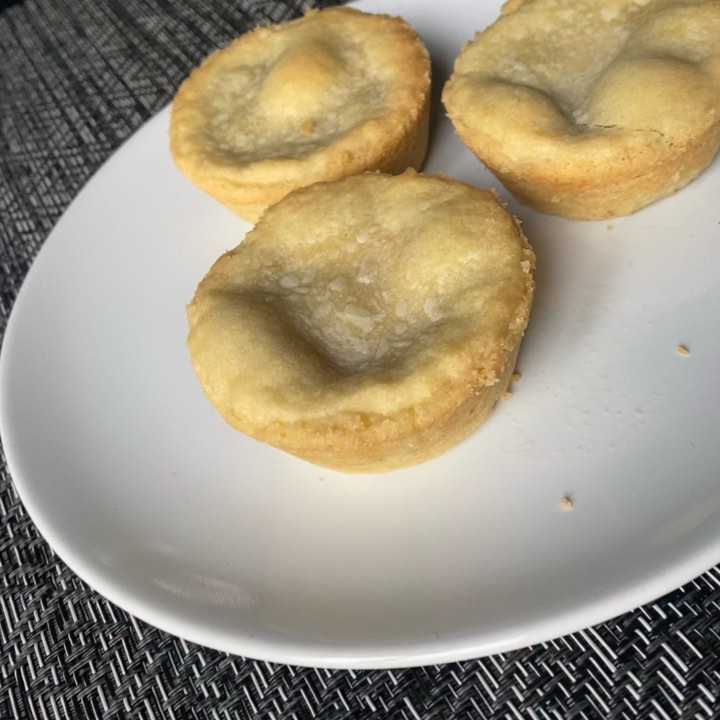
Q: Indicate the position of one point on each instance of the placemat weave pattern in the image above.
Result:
(77, 78)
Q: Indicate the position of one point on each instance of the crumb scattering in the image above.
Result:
(682, 350)
(506, 395)
(566, 503)
(515, 377)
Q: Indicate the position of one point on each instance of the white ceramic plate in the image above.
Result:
(145, 492)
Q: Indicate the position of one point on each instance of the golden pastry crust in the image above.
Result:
(365, 324)
(332, 94)
(592, 108)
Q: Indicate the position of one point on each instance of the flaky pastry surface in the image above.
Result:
(592, 108)
(365, 324)
(329, 95)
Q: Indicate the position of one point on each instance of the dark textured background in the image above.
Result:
(77, 78)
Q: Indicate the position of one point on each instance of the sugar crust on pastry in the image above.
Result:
(592, 108)
(365, 324)
(332, 94)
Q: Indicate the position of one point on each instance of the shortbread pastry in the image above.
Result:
(365, 324)
(592, 108)
(335, 93)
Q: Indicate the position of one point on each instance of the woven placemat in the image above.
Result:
(77, 78)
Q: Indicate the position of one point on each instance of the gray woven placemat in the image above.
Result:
(77, 77)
